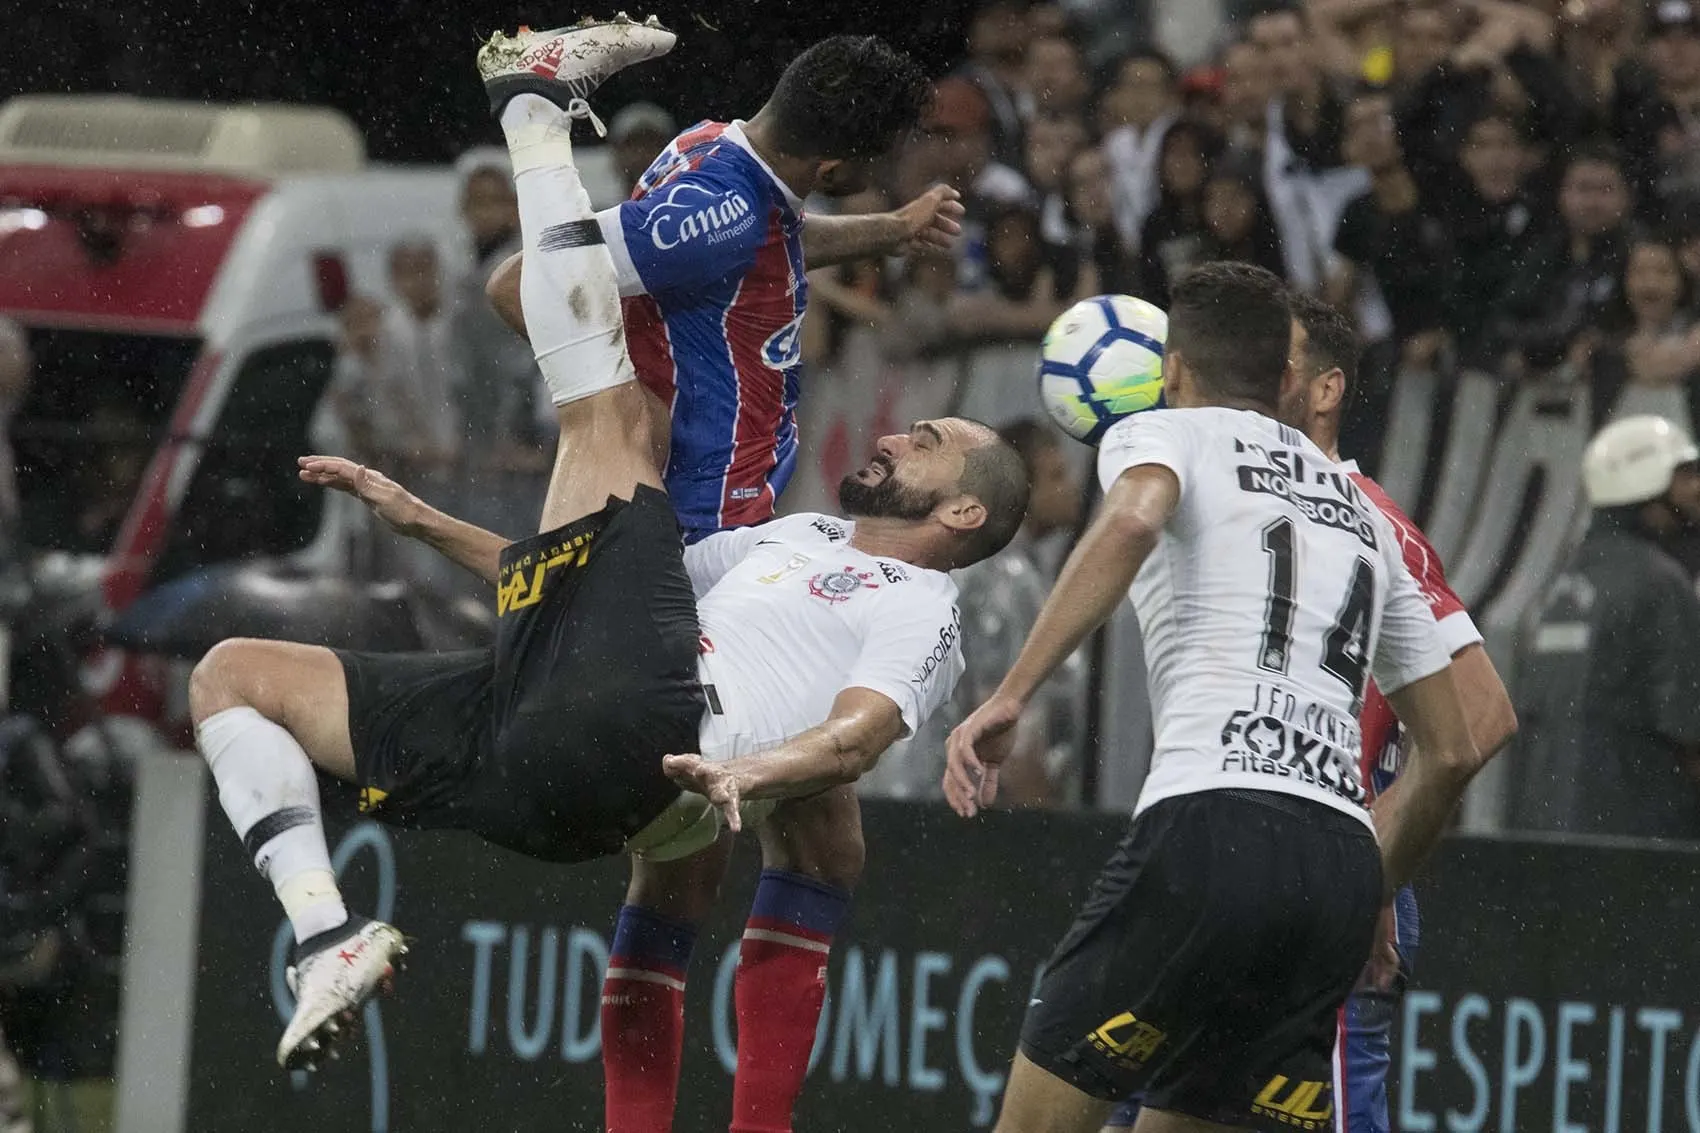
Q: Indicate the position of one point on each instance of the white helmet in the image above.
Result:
(1631, 461)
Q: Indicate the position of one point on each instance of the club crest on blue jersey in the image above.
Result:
(837, 585)
(784, 347)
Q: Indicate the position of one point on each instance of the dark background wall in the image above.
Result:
(403, 70)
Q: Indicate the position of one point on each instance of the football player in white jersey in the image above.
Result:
(1207, 966)
(788, 657)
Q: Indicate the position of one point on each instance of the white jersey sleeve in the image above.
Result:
(708, 560)
(1147, 438)
(1410, 645)
(911, 650)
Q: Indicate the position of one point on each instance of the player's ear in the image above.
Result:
(827, 171)
(1173, 380)
(963, 513)
(1333, 391)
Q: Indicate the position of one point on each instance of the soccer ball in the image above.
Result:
(1101, 360)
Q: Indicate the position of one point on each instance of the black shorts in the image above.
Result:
(551, 742)
(1208, 966)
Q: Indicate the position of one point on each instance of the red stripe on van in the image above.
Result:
(165, 234)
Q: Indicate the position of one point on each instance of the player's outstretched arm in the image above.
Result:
(840, 750)
(473, 548)
(1411, 815)
(1097, 574)
(931, 220)
(1487, 706)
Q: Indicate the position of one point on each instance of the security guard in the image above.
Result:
(1609, 676)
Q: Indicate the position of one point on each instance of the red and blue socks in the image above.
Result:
(643, 1019)
(779, 990)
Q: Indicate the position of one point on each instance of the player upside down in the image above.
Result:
(790, 655)
(711, 254)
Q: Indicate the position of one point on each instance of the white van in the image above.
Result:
(179, 268)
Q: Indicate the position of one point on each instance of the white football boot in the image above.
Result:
(332, 976)
(567, 64)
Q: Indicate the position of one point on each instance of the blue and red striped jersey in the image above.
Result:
(709, 250)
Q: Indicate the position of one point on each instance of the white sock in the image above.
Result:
(568, 288)
(268, 790)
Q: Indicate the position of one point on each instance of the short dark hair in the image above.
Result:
(994, 473)
(1331, 340)
(848, 96)
(1232, 323)
(1029, 437)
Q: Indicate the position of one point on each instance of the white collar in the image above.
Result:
(1350, 467)
(735, 131)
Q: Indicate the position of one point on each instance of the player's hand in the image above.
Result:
(931, 220)
(976, 749)
(389, 501)
(713, 781)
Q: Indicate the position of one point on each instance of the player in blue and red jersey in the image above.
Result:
(710, 254)
(1325, 352)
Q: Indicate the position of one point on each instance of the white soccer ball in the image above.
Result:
(1101, 360)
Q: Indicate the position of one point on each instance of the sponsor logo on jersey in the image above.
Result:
(832, 529)
(371, 798)
(784, 347)
(837, 585)
(1126, 1041)
(1318, 746)
(893, 573)
(1337, 514)
(691, 213)
(948, 637)
(745, 493)
(1303, 1105)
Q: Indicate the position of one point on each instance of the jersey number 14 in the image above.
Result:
(1345, 647)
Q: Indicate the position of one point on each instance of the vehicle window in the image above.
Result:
(98, 406)
(246, 499)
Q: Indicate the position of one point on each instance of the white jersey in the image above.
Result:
(1274, 589)
(791, 616)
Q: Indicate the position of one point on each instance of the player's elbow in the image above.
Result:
(1495, 729)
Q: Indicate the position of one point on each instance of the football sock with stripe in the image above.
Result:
(268, 790)
(643, 1019)
(778, 992)
(567, 288)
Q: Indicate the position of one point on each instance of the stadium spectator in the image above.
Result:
(1055, 80)
(1503, 62)
(1099, 242)
(1492, 221)
(1391, 241)
(1247, 86)
(1568, 277)
(955, 147)
(1053, 141)
(1312, 114)
(996, 65)
(1663, 124)
(637, 134)
(399, 376)
(1238, 224)
(1650, 349)
(1609, 676)
(1172, 238)
(1135, 113)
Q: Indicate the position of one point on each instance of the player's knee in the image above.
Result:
(819, 837)
(219, 680)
